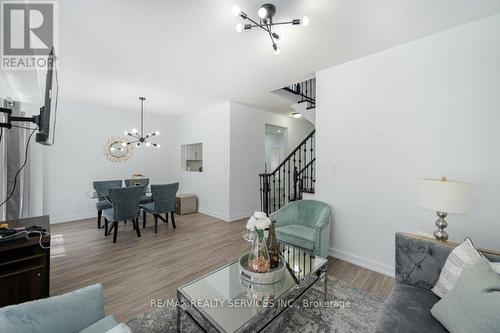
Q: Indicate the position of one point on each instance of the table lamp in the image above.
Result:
(444, 196)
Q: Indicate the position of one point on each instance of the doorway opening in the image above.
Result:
(274, 146)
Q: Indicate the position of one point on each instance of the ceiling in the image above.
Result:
(185, 56)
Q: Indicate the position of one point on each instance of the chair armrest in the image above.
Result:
(322, 233)
(324, 218)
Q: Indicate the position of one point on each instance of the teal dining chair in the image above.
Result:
(140, 182)
(101, 189)
(125, 206)
(306, 224)
(163, 203)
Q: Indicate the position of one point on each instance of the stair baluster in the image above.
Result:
(295, 175)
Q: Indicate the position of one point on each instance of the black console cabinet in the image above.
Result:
(24, 265)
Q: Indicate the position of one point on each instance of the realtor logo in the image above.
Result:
(28, 33)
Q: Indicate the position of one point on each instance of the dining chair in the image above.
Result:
(101, 189)
(125, 201)
(163, 203)
(140, 182)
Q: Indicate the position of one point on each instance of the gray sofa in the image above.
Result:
(418, 265)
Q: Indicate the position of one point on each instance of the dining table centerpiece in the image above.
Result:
(258, 258)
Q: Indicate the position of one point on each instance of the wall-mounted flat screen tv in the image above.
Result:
(47, 122)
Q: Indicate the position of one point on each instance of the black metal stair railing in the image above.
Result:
(306, 90)
(306, 177)
(294, 176)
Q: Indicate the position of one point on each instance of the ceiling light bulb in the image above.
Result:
(157, 146)
(276, 49)
(236, 11)
(134, 131)
(157, 133)
(124, 144)
(305, 21)
(148, 144)
(239, 27)
(296, 115)
(277, 37)
(262, 13)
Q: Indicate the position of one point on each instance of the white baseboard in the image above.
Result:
(224, 217)
(308, 196)
(363, 262)
(214, 214)
(241, 216)
(72, 218)
(85, 216)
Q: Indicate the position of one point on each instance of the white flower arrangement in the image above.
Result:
(259, 221)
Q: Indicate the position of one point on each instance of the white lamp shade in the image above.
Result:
(445, 196)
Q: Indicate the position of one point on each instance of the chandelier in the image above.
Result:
(266, 13)
(139, 138)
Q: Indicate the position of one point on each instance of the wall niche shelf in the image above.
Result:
(192, 157)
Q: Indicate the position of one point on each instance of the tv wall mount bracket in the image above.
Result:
(10, 118)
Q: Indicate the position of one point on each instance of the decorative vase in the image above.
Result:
(273, 246)
(258, 258)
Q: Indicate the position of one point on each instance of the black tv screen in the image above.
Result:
(47, 122)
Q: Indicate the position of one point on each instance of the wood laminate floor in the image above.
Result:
(135, 270)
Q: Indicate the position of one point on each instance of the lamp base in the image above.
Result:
(441, 223)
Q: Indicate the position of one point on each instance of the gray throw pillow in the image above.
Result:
(474, 304)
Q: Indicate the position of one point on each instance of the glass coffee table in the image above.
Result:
(222, 301)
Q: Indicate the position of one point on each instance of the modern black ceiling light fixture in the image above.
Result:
(266, 13)
(140, 138)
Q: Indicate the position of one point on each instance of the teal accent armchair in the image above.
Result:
(81, 310)
(306, 224)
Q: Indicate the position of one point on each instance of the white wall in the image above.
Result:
(248, 127)
(233, 137)
(35, 150)
(77, 157)
(211, 128)
(429, 108)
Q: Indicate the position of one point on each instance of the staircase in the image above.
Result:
(305, 91)
(296, 175)
(302, 96)
(293, 177)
